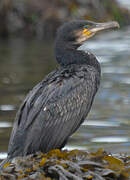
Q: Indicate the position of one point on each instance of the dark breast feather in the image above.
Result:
(53, 110)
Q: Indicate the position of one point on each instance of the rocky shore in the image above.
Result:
(64, 165)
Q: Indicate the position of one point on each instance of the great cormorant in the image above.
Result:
(54, 109)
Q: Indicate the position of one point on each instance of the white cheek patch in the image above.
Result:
(81, 36)
(81, 39)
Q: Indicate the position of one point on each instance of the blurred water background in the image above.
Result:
(23, 63)
(125, 3)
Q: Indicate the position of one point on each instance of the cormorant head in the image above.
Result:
(72, 35)
(76, 32)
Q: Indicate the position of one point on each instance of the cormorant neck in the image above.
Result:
(67, 54)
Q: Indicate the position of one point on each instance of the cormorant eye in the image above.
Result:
(86, 26)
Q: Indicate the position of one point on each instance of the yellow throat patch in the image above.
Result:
(86, 32)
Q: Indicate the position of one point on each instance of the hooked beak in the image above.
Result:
(102, 26)
(89, 31)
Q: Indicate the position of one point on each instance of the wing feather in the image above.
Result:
(53, 111)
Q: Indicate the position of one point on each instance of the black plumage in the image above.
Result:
(56, 107)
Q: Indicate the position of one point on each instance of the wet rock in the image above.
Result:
(64, 165)
(5, 176)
